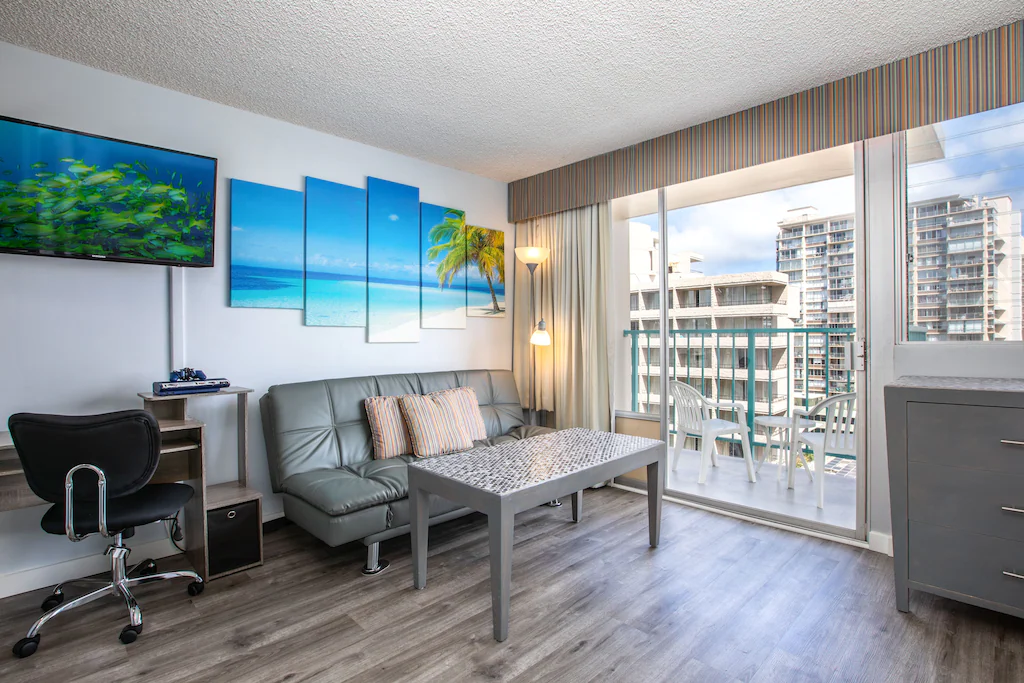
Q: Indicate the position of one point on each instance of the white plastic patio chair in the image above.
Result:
(836, 435)
(693, 418)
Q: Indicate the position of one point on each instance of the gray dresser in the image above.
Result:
(956, 483)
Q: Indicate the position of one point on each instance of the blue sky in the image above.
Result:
(738, 235)
(266, 226)
(335, 228)
(394, 230)
(431, 215)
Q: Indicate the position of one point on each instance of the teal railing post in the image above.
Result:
(634, 343)
(751, 379)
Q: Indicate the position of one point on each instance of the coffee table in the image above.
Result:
(502, 480)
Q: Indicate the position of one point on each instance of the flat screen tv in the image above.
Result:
(70, 194)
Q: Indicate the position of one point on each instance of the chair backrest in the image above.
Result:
(125, 445)
(840, 423)
(691, 408)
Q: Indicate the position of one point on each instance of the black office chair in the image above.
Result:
(122, 451)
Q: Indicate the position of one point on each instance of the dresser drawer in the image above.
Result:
(966, 563)
(967, 500)
(965, 436)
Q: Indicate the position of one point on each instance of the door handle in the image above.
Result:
(1007, 508)
(1013, 576)
(1011, 442)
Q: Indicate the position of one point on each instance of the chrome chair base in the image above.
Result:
(121, 582)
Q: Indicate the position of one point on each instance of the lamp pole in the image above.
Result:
(533, 347)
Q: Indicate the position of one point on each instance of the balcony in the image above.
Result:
(806, 366)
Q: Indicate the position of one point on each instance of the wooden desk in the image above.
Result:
(182, 459)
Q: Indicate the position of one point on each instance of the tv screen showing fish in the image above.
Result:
(70, 194)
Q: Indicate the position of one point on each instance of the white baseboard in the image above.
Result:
(880, 543)
(52, 574)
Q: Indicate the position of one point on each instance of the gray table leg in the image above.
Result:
(577, 506)
(500, 525)
(655, 489)
(418, 517)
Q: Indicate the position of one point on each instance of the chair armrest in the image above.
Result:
(801, 412)
(727, 404)
(69, 501)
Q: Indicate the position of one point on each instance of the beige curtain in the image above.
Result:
(573, 374)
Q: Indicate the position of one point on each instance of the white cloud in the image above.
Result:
(235, 228)
(738, 235)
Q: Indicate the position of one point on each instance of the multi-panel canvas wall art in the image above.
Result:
(266, 246)
(442, 267)
(392, 261)
(335, 254)
(486, 282)
(374, 258)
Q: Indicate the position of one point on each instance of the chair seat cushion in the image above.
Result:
(149, 504)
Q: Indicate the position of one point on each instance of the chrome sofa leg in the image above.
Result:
(374, 565)
(554, 503)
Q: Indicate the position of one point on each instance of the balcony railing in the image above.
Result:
(733, 376)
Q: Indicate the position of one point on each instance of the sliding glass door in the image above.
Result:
(747, 289)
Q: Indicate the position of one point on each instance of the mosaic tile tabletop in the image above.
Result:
(517, 465)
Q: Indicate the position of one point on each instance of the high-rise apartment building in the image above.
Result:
(964, 268)
(817, 255)
(716, 363)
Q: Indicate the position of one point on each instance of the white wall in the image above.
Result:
(80, 337)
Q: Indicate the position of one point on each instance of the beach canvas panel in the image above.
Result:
(266, 246)
(443, 267)
(393, 262)
(485, 287)
(335, 254)
(72, 194)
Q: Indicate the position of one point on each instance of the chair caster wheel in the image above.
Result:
(51, 601)
(195, 588)
(26, 647)
(147, 568)
(130, 633)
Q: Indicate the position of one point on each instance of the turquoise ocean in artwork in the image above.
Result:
(393, 262)
(335, 254)
(266, 246)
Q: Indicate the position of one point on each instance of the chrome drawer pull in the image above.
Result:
(1013, 576)
(1011, 442)
(1009, 509)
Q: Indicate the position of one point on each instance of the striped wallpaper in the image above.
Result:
(975, 74)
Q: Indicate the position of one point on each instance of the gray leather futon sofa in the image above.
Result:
(320, 452)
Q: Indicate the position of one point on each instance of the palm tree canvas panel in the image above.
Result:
(485, 286)
(335, 254)
(393, 262)
(266, 246)
(443, 267)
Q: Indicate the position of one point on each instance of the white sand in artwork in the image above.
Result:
(485, 312)
(446, 320)
(406, 332)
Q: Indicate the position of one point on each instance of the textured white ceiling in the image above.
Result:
(502, 88)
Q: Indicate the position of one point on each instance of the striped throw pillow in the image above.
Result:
(467, 409)
(435, 426)
(387, 427)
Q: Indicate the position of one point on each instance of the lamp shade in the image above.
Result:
(532, 255)
(540, 336)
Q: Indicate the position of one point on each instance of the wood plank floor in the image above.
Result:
(720, 600)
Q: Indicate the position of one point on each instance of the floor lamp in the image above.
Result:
(533, 257)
